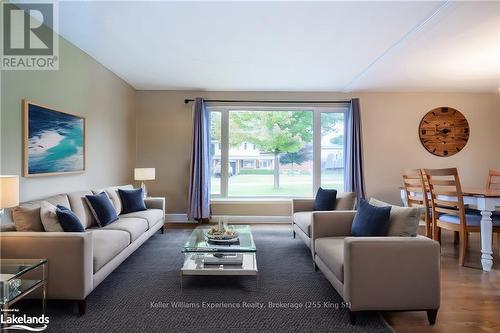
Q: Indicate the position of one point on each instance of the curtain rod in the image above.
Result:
(256, 101)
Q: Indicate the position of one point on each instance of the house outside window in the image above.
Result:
(276, 151)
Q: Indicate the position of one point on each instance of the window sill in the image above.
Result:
(250, 201)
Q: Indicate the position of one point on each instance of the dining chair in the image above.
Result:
(417, 195)
(448, 210)
(493, 182)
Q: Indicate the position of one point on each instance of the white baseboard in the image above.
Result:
(177, 218)
(182, 218)
(252, 219)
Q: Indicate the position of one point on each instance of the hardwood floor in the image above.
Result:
(470, 298)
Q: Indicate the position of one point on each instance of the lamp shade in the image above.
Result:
(9, 191)
(144, 173)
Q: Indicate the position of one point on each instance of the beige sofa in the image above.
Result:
(302, 214)
(80, 261)
(376, 273)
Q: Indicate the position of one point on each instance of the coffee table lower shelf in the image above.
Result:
(194, 265)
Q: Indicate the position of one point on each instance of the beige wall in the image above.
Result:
(390, 134)
(390, 123)
(160, 135)
(83, 87)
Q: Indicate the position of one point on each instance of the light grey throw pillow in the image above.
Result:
(403, 220)
(49, 218)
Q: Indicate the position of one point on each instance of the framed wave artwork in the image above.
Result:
(54, 141)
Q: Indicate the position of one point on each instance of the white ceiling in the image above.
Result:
(292, 46)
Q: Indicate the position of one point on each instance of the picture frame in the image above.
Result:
(54, 141)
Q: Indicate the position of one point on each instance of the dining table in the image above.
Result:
(486, 201)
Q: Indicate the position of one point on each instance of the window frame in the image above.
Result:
(317, 110)
(318, 147)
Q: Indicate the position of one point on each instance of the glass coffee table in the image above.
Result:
(20, 277)
(204, 257)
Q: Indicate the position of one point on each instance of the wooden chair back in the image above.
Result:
(417, 194)
(493, 182)
(445, 182)
(414, 187)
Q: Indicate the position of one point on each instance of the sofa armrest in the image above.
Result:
(335, 223)
(391, 273)
(155, 203)
(69, 255)
(302, 205)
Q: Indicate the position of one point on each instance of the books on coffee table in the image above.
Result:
(235, 259)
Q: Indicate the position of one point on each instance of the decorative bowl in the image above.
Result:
(215, 234)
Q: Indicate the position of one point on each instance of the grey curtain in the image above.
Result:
(199, 182)
(353, 172)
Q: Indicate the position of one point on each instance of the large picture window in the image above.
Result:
(276, 151)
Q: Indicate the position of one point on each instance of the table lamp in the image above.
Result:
(9, 192)
(143, 174)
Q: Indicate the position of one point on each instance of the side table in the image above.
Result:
(16, 283)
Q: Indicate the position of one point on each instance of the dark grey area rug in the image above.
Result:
(138, 295)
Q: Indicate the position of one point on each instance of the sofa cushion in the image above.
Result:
(370, 220)
(7, 227)
(303, 221)
(107, 244)
(345, 201)
(102, 208)
(132, 200)
(68, 220)
(403, 220)
(153, 216)
(325, 199)
(134, 226)
(331, 252)
(48, 215)
(112, 191)
(80, 207)
(26, 216)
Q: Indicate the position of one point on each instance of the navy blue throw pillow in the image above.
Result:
(325, 199)
(102, 208)
(68, 220)
(371, 220)
(132, 200)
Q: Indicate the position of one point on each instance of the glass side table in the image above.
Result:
(20, 277)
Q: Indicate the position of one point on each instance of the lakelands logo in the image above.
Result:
(28, 39)
(24, 322)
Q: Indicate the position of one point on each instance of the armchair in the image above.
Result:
(302, 214)
(377, 273)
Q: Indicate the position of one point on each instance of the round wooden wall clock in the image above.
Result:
(444, 131)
